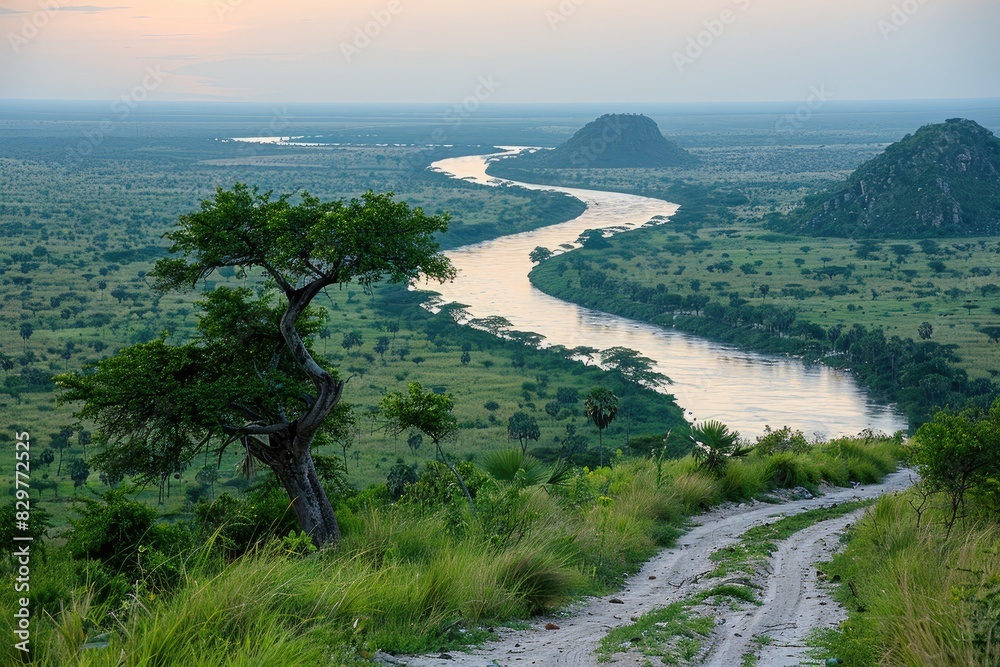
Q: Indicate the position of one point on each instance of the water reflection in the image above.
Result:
(711, 381)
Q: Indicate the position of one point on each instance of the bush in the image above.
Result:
(122, 540)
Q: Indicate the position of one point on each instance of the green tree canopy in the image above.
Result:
(524, 428)
(601, 407)
(250, 376)
(632, 367)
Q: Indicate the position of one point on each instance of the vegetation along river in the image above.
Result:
(745, 390)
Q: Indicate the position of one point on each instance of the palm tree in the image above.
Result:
(602, 407)
(714, 444)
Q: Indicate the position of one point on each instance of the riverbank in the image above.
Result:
(911, 332)
(747, 390)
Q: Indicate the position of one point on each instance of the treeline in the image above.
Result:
(920, 376)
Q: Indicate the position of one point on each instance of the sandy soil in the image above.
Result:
(794, 600)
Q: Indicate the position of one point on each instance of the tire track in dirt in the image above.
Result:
(673, 575)
(794, 602)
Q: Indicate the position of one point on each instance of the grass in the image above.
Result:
(676, 633)
(881, 291)
(407, 578)
(916, 596)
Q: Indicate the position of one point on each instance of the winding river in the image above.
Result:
(747, 391)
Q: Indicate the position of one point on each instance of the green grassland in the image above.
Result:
(827, 281)
(78, 244)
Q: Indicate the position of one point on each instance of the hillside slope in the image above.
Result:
(611, 141)
(942, 181)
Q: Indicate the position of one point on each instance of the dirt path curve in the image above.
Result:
(675, 574)
(793, 603)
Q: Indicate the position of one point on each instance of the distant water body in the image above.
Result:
(745, 390)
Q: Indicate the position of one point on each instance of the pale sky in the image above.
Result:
(525, 50)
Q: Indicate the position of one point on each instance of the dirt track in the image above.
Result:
(794, 603)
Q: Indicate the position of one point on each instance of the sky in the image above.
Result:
(515, 51)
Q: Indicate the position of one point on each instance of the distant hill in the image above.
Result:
(942, 181)
(611, 141)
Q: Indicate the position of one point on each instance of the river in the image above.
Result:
(745, 390)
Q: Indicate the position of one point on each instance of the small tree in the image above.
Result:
(540, 254)
(522, 427)
(959, 453)
(429, 413)
(79, 471)
(47, 457)
(60, 442)
(601, 406)
(382, 346)
(27, 330)
(352, 339)
(714, 444)
(632, 367)
(207, 477)
(925, 330)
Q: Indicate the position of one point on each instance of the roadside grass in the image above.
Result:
(917, 597)
(407, 578)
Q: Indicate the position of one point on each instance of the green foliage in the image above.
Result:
(524, 428)
(400, 475)
(959, 454)
(917, 595)
(781, 440)
(715, 444)
(539, 255)
(523, 470)
(428, 412)
(632, 367)
(250, 376)
(122, 543)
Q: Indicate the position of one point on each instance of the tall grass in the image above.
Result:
(920, 598)
(407, 578)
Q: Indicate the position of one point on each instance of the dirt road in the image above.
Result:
(793, 601)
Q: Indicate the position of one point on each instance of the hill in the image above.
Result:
(942, 181)
(611, 141)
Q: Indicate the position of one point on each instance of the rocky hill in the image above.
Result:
(611, 141)
(942, 181)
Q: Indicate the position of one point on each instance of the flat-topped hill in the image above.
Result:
(611, 141)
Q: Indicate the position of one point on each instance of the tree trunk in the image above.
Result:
(312, 507)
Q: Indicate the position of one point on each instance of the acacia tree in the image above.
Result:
(429, 413)
(602, 408)
(250, 377)
(632, 367)
(524, 428)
